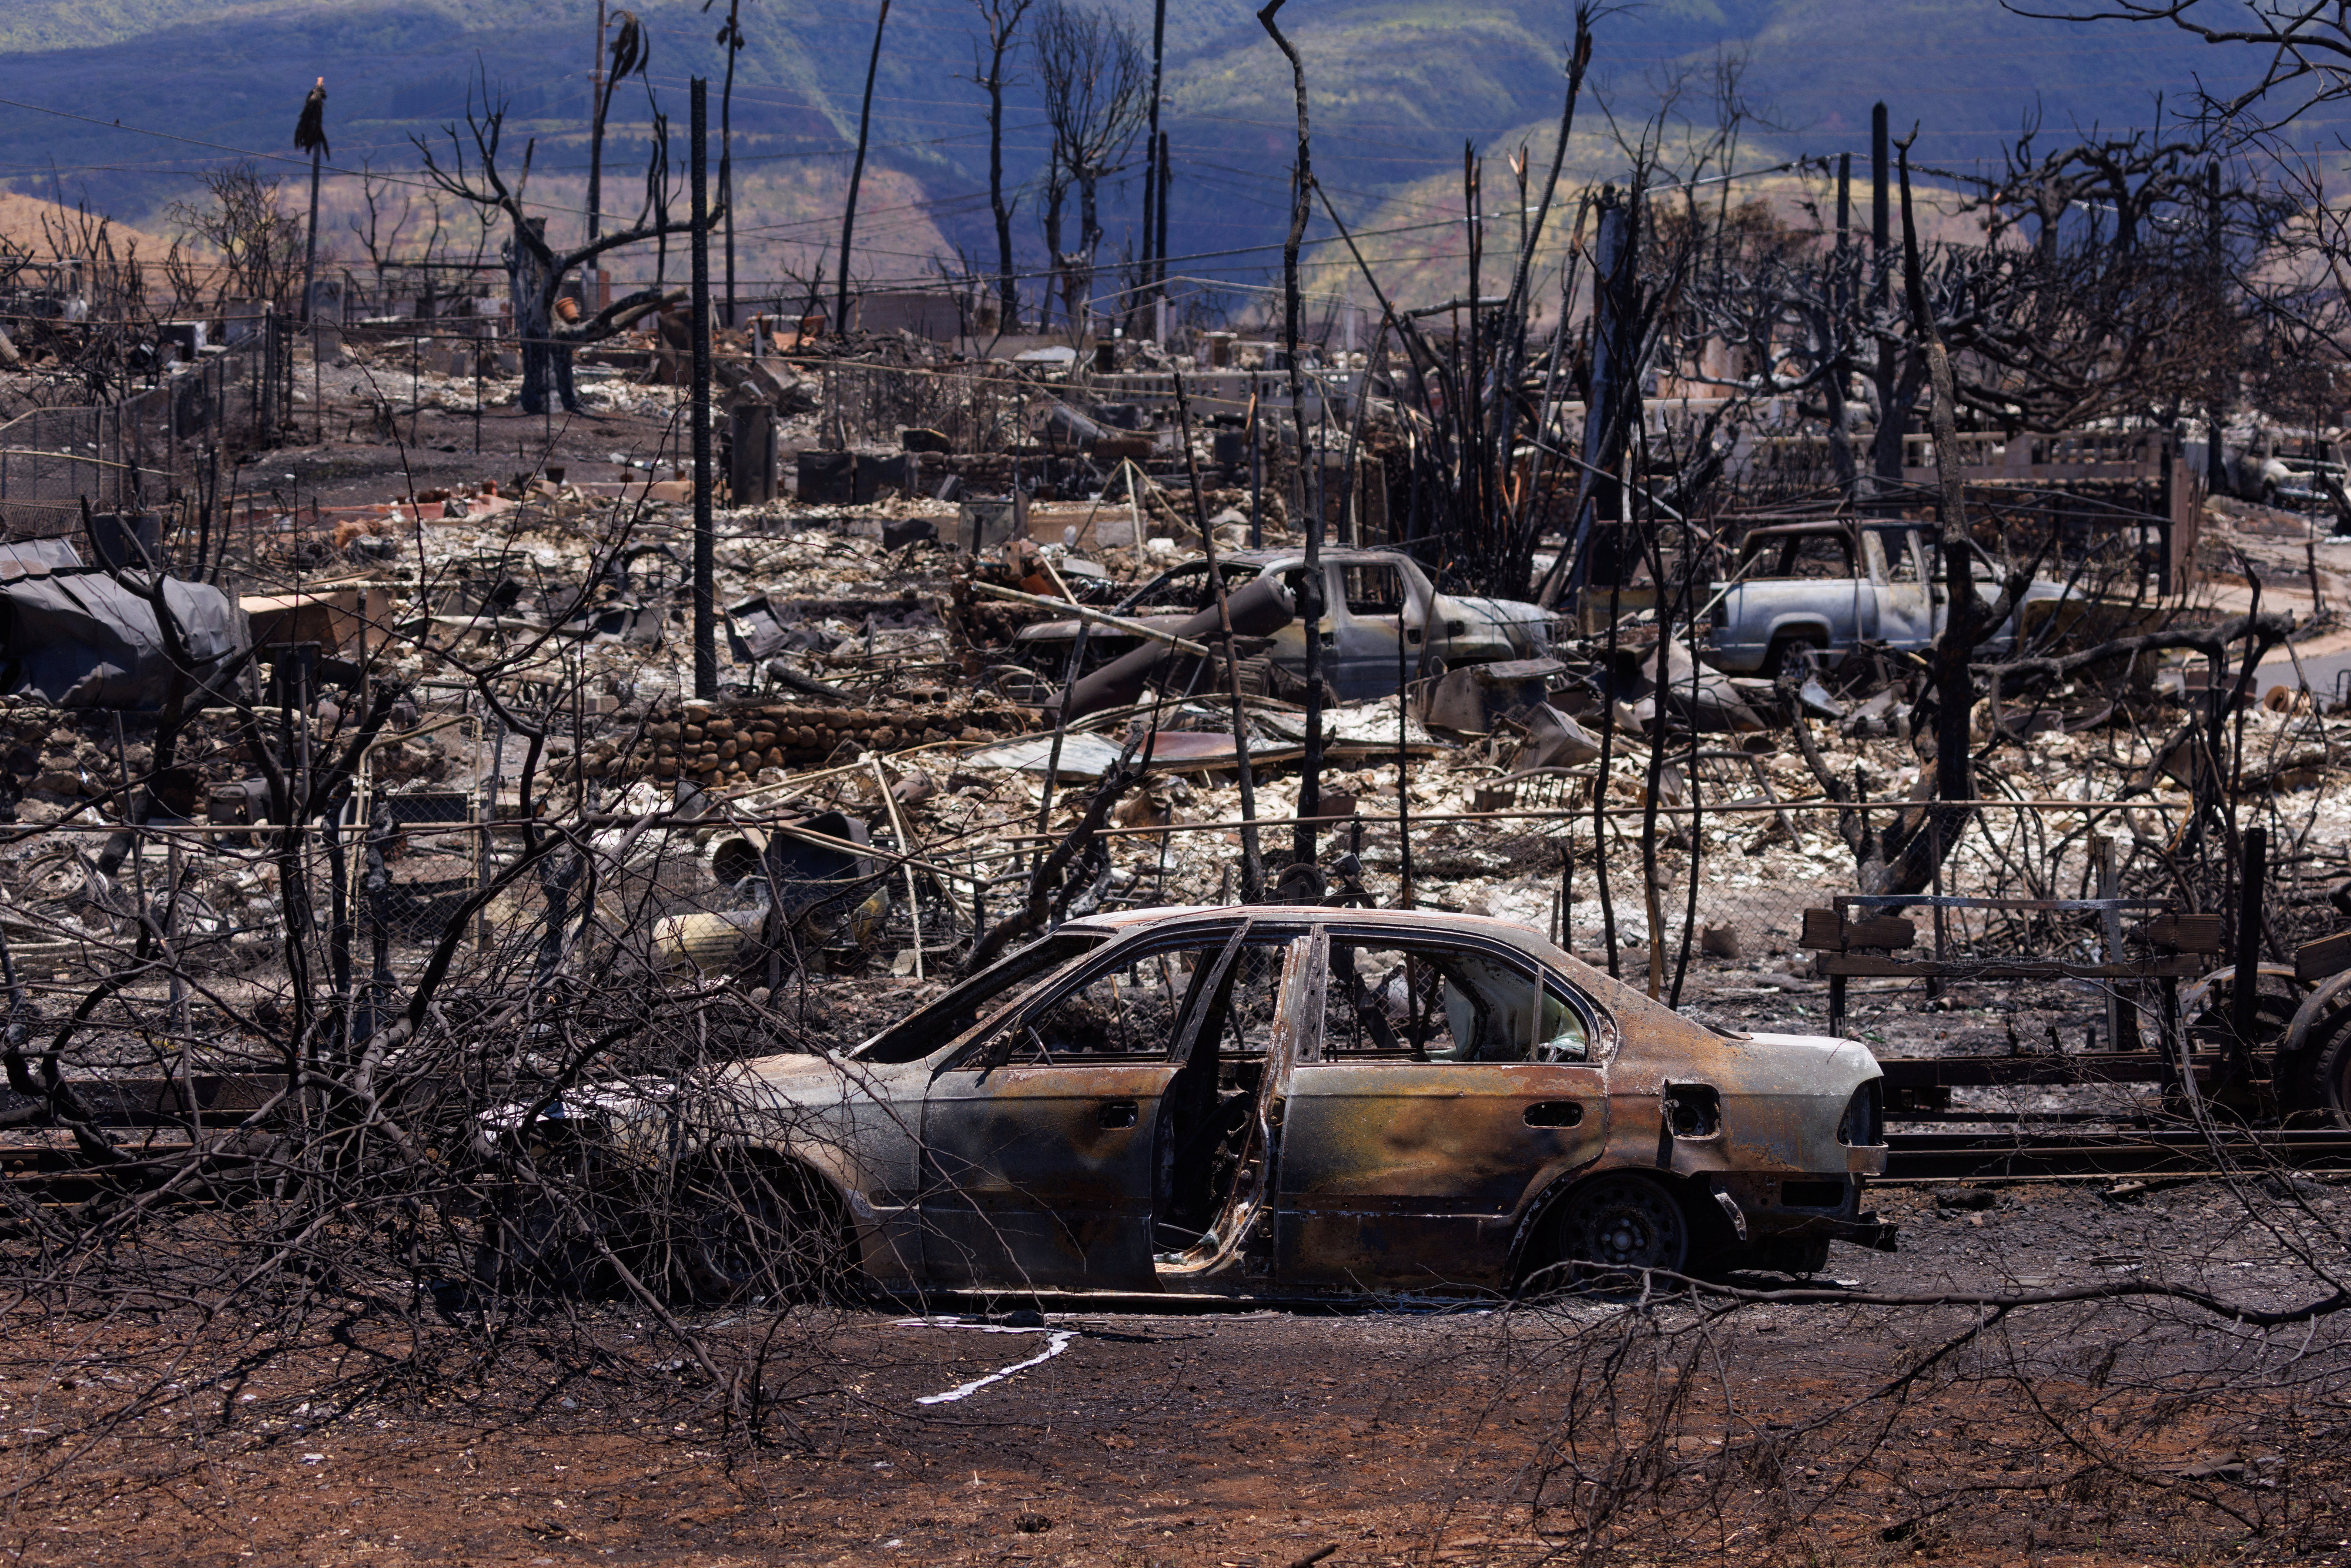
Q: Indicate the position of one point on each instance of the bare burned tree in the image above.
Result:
(244, 221)
(2095, 293)
(536, 270)
(990, 70)
(1095, 82)
(2303, 51)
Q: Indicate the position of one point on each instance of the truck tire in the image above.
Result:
(1789, 654)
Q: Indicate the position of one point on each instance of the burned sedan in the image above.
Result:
(1277, 1102)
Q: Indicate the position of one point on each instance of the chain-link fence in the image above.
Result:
(138, 451)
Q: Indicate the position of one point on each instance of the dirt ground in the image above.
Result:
(1415, 1433)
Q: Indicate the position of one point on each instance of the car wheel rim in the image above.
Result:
(734, 1244)
(1629, 1223)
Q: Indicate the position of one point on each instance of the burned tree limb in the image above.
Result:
(1047, 879)
(1252, 861)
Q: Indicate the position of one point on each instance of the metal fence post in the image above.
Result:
(2103, 851)
(2245, 991)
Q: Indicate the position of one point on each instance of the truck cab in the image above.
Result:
(1825, 586)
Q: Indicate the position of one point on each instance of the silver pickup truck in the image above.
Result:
(1824, 586)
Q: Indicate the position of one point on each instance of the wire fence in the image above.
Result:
(139, 451)
(1747, 870)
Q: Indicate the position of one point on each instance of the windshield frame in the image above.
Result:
(1053, 951)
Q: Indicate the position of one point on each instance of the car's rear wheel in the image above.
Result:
(1790, 656)
(2324, 1073)
(1611, 1229)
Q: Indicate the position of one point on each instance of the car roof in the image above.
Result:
(1609, 994)
(1423, 920)
(1262, 558)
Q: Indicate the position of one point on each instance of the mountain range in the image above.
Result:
(118, 103)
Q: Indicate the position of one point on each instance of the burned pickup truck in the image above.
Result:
(1274, 1102)
(1824, 586)
(1367, 595)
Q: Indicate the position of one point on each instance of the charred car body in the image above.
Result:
(1367, 595)
(1275, 1102)
(1829, 586)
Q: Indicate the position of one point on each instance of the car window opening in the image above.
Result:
(1370, 589)
(920, 1033)
(1430, 1003)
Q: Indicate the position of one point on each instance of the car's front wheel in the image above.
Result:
(754, 1230)
(1614, 1227)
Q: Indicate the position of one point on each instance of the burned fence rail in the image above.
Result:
(2043, 1154)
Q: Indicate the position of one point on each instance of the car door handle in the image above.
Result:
(1117, 1113)
(1555, 1114)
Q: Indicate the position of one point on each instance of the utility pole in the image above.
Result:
(1159, 244)
(1888, 464)
(1154, 173)
(857, 176)
(1600, 492)
(726, 147)
(2216, 462)
(705, 637)
(1845, 204)
(310, 136)
(1881, 223)
(596, 128)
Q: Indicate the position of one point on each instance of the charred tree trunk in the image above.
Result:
(1309, 607)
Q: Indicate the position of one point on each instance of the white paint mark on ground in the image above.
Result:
(1057, 1340)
